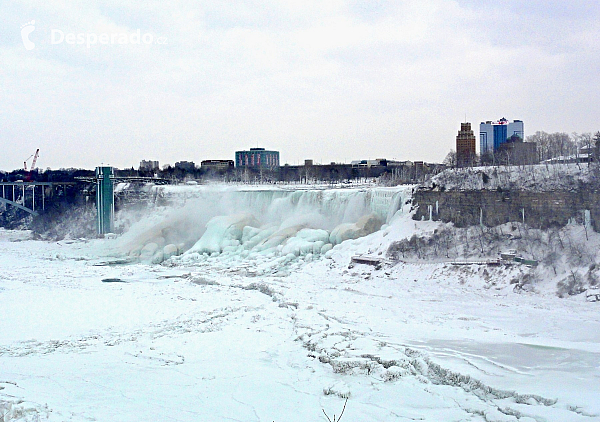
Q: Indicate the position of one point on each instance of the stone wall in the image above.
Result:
(541, 209)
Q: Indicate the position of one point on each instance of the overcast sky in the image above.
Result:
(329, 80)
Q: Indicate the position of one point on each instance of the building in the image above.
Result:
(395, 163)
(217, 165)
(465, 146)
(516, 152)
(494, 134)
(149, 165)
(185, 165)
(257, 158)
(370, 163)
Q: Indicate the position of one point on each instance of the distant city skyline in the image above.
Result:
(337, 81)
(493, 133)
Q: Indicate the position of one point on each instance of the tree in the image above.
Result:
(487, 158)
(541, 139)
(450, 159)
(553, 145)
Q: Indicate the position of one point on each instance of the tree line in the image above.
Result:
(561, 144)
(549, 146)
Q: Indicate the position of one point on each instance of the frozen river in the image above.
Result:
(219, 340)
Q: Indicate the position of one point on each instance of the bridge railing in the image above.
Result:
(17, 194)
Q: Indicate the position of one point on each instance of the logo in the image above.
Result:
(27, 29)
(91, 38)
(88, 39)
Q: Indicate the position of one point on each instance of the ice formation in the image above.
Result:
(248, 223)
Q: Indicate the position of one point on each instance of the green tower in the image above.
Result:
(105, 200)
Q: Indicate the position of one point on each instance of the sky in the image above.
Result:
(335, 80)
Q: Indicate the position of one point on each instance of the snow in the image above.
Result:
(284, 335)
(539, 177)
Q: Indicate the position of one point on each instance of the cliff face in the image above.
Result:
(494, 207)
(539, 195)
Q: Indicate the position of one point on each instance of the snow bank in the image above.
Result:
(540, 177)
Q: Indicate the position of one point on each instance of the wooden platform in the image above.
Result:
(367, 260)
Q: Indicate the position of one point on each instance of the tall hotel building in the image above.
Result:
(494, 134)
(465, 146)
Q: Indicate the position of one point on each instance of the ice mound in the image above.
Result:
(222, 236)
(224, 233)
(239, 235)
(277, 238)
(156, 241)
(305, 242)
(364, 226)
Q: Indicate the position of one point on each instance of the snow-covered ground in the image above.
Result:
(86, 336)
(539, 177)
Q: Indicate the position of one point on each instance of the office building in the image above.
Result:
(257, 158)
(148, 165)
(185, 165)
(217, 165)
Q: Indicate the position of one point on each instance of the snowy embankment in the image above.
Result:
(238, 334)
(540, 177)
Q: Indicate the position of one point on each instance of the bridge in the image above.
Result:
(23, 195)
(127, 179)
(31, 196)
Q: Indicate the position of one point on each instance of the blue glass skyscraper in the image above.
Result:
(500, 133)
(493, 134)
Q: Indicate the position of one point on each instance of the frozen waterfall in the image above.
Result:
(251, 222)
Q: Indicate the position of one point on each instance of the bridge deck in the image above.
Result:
(20, 192)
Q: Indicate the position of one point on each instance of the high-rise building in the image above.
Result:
(149, 165)
(494, 134)
(257, 158)
(185, 165)
(516, 128)
(465, 146)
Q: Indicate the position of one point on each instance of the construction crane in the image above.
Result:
(35, 157)
(33, 163)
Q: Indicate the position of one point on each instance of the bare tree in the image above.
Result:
(450, 159)
(553, 145)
